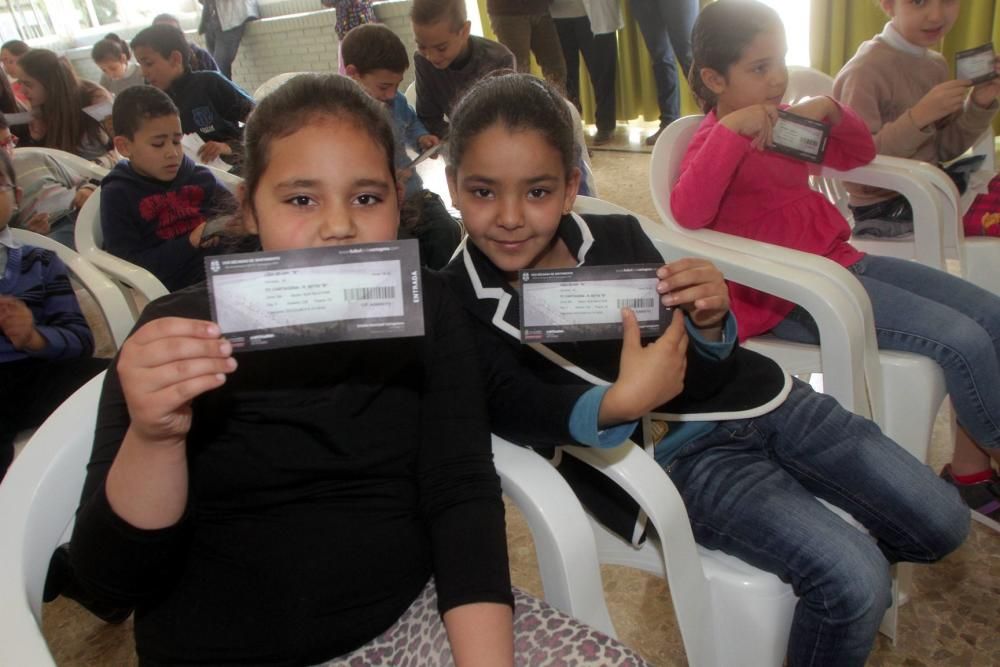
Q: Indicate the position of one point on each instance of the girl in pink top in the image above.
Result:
(732, 182)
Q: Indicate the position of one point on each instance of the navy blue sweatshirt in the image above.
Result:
(148, 222)
(211, 105)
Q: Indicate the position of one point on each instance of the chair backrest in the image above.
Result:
(114, 307)
(89, 240)
(806, 82)
(273, 84)
(38, 501)
(75, 163)
(411, 94)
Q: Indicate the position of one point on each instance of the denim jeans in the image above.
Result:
(751, 489)
(925, 311)
(666, 28)
(223, 45)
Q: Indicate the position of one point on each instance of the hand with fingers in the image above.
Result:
(648, 375)
(17, 323)
(755, 122)
(940, 101)
(699, 289)
(165, 365)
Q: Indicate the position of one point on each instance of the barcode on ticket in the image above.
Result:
(636, 303)
(370, 293)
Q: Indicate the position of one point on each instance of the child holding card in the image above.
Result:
(61, 99)
(210, 104)
(157, 204)
(309, 502)
(905, 93)
(729, 184)
(748, 447)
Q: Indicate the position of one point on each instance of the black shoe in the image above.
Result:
(651, 139)
(61, 581)
(602, 137)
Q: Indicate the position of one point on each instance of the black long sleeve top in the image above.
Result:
(327, 484)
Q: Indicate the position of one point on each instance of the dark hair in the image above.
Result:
(425, 12)
(4, 125)
(373, 46)
(166, 19)
(112, 47)
(295, 104)
(517, 102)
(137, 104)
(65, 98)
(721, 32)
(164, 39)
(15, 46)
(8, 103)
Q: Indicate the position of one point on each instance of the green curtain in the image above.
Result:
(839, 26)
(635, 90)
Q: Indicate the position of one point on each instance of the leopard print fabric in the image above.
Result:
(543, 636)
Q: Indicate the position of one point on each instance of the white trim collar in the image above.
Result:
(7, 239)
(893, 38)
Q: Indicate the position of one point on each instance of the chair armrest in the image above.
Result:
(641, 477)
(564, 541)
(914, 183)
(825, 289)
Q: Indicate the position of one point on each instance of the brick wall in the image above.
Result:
(291, 36)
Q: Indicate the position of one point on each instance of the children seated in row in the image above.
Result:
(376, 58)
(10, 53)
(201, 60)
(750, 449)
(45, 343)
(60, 99)
(118, 70)
(448, 59)
(905, 93)
(210, 105)
(51, 192)
(729, 182)
(298, 505)
(155, 204)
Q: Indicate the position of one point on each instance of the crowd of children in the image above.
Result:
(191, 509)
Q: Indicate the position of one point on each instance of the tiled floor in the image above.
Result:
(952, 619)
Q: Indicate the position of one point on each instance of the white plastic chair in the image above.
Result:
(73, 162)
(978, 257)
(114, 307)
(89, 241)
(40, 494)
(273, 84)
(902, 392)
(728, 611)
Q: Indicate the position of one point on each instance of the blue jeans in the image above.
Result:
(223, 45)
(666, 28)
(925, 311)
(751, 489)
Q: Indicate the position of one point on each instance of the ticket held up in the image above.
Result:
(976, 65)
(585, 303)
(799, 137)
(269, 300)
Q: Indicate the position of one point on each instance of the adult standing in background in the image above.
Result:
(223, 23)
(589, 27)
(526, 27)
(201, 60)
(666, 28)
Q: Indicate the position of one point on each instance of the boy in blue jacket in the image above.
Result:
(155, 205)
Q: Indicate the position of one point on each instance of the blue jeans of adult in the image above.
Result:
(751, 487)
(223, 45)
(666, 28)
(929, 312)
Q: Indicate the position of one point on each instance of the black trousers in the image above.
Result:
(600, 53)
(31, 389)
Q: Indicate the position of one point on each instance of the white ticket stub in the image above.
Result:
(585, 303)
(976, 65)
(267, 300)
(799, 137)
(98, 111)
(20, 118)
